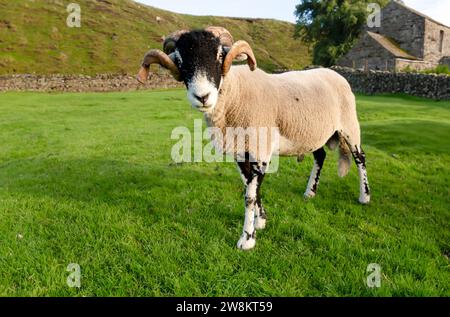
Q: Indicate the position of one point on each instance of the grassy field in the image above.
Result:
(88, 179)
(115, 34)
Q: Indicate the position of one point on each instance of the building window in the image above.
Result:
(441, 41)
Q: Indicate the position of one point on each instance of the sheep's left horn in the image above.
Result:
(225, 37)
(239, 48)
(157, 57)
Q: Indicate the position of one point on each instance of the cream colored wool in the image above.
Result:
(307, 107)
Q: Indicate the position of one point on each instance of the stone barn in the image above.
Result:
(405, 38)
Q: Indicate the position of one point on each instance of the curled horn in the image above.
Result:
(161, 58)
(225, 37)
(239, 48)
(157, 57)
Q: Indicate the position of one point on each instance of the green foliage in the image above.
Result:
(440, 70)
(88, 179)
(115, 35)
(332, 25)
(408, 69)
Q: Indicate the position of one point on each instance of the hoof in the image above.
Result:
(364, 200)
(246, 242)
(309, 194)
(260, 223)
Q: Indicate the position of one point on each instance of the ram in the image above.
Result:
(306, 109)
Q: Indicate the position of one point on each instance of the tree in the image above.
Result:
(332, 26)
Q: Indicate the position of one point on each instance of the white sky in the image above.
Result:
(278, 9)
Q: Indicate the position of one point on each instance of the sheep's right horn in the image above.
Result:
(157, 57)
(239, 48)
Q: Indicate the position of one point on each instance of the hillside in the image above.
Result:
(114, 35)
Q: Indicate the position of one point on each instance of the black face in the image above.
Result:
(200, 53)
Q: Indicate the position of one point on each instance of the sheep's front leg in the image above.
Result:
(252, 175)
(260, 212)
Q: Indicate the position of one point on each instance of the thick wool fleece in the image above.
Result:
(307, 107)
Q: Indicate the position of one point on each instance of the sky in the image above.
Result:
(278, 9)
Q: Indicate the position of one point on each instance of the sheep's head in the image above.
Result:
(200, 59)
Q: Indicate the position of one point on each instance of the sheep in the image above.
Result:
(309, 109)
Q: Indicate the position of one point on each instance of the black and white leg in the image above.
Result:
(252, 174)
(360, 160)
(319, 158)
(260, 213)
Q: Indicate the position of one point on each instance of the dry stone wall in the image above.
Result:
(83, 83)
(416, 84)
(371, 82)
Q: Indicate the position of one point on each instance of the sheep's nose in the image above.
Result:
(203, 99)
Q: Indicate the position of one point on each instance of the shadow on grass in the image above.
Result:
(111, 182)
(144, 188)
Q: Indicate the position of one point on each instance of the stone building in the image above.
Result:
(405, 38)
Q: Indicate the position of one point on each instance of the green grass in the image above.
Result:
(88, 178)
(115, 34)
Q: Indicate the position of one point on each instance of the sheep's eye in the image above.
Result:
(221, 56)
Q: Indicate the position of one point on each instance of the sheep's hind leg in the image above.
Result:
(319, 158)
(360, 160)
(252, 174)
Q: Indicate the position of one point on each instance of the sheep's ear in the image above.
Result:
(172, 57)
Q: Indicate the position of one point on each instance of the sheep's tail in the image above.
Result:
(345, 158)
(345, 155)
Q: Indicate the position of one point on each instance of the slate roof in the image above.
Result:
(391, 46)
